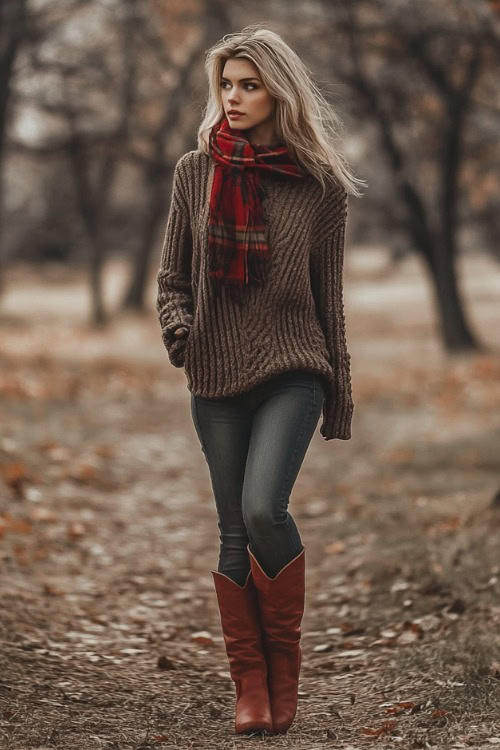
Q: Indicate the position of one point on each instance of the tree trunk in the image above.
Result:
(455, 330)
(134, 297)
(12, 25)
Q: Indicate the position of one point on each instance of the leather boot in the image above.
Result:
(281, 605)
(242, 634)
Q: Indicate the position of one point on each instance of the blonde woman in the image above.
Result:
(250, 301)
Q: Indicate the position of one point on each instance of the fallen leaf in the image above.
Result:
(387, 726)
(438, 713)
(203, 637)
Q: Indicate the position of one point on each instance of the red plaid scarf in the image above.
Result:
(237, 241)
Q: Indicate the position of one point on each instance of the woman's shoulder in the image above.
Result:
(192, 160)
(190, 170)
(332, 204)
(335, 191)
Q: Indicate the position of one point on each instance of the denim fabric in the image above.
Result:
(254, 444)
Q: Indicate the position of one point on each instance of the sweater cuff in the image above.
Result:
(337, 416)
(174, 345)
(168, 331)
(176, 351)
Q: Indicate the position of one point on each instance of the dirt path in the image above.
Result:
(109, 626)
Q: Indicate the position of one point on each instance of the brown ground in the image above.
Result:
(108, 532)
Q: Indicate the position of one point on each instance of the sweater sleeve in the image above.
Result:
(174, 302)
(327, 263)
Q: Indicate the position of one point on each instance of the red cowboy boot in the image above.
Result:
(242, 633)
(281, 604)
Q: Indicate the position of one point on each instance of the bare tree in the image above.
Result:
(92, 101)
(85, 152)
(413, 68)
(157, 169)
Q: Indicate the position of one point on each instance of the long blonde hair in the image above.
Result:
(304, 120)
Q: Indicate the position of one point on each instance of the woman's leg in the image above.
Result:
(224, 426)
(284, 421)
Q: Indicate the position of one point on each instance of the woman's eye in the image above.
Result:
(223, 84)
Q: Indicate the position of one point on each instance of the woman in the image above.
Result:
(250, 301)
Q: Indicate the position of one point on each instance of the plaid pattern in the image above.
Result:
(237, 236)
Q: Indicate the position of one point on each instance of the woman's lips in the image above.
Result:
(235, 115)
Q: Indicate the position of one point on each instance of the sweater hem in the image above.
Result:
(247, 385)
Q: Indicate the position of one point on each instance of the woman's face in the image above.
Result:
(247, 96)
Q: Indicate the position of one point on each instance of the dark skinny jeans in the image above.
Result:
(254, 444)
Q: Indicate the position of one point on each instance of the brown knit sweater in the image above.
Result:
(294, 321)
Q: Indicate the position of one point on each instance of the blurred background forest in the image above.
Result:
(99, 98)
(109, 628)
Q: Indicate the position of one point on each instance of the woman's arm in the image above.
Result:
(327, 265)
(174, 302)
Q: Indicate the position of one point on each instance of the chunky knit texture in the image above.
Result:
(294, 321)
